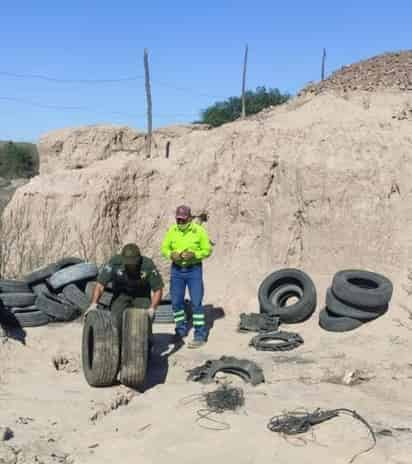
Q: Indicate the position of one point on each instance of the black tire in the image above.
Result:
(297, 312)
(164, 314)
(285, 341)
(41, 289)
(14, 286)
(332, 323)
(28, 317)
(362, 288)
(56, 309)
(75, 296)
(72, 274)
(280, 296)
(134, 348)
(106, 298)
(41, 274)
(338, 308)
(100, 349)
(249, 371)
(66, 262)
(17, 299)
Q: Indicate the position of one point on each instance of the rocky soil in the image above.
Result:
(388, 71)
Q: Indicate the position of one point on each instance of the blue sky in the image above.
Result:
(196, 52)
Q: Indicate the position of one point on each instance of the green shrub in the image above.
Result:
(18, 160)
(230, 110)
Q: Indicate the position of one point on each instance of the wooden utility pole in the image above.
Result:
(149, 103)
(244, 84)
(323, 64)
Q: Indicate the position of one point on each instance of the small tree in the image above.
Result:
(231, 109)
(16, 160)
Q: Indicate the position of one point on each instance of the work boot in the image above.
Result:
(181, 331)
(197, 342)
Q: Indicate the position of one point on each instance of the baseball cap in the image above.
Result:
(183, 212)
(130, 254)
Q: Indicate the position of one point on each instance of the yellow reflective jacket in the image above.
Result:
(194, 239)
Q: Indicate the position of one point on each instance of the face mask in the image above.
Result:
(183, 227)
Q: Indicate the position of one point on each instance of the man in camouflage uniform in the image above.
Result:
(136, 284)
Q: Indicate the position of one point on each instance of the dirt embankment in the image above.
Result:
(321, 183)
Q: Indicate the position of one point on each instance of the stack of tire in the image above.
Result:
(54, 293)
(104, 358)
(277, 290)
(164, 312)
(355, 298)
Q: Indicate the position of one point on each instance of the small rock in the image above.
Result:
(355, 377)
(7, 455)
(6, 433)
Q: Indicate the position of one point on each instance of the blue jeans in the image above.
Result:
(191, 277)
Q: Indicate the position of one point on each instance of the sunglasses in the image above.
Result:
(182, 221)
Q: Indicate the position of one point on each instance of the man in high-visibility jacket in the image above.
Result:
(187, 245)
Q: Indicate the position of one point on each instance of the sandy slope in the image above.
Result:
(57, 417)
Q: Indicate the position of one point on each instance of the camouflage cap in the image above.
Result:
(130, 254)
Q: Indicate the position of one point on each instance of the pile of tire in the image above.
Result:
(355, 298)
(105, 356)
(164, 312)
(54, 293)
(278, 288)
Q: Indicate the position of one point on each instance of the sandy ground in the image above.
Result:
(57, 418)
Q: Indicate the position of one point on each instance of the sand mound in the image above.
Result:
(388, 71)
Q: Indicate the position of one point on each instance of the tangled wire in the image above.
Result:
(300, 422)
(224, 398)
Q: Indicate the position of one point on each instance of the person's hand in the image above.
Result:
(187, 255)
(92, 307)
(175, 256)
(151, 313)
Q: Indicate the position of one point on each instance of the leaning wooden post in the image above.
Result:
(149, 103)
(244, 84)
(323, 64)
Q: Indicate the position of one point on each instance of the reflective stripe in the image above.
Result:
(179, 313)
(198, 316)
(180, 319)
(198, 323)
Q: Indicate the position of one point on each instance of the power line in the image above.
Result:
(25, 101)
(187, 90)
(135, 78)
(69, 81)
(35, 104)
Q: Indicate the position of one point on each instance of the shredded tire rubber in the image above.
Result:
(247, 370)
(255, 322)
(285, 341)
(295, 423)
